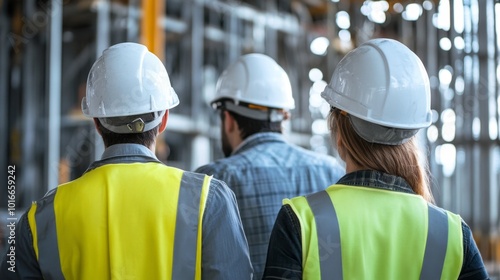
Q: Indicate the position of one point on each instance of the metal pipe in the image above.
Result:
(54, 78)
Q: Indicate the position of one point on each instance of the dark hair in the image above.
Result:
(400, 160)
(250, 126)
(110, 138)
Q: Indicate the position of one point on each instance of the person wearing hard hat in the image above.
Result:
(379, 220)
(129, 216)
(253, 97)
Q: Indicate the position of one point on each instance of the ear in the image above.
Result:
(229, 123)
(164, 121)
(96, 124)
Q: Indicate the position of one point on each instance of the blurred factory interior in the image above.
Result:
(48, 47)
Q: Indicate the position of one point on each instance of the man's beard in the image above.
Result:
(226, 147)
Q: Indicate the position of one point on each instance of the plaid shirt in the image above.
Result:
(264, 170)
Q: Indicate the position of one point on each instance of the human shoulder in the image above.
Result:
(218, 167)
(219, 190)
(316, 157)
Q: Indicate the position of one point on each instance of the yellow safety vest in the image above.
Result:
(122, 221)
(366, 233)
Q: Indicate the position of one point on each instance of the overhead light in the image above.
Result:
(343, 20)
(412, 12)
(319, 45)
(315, 75)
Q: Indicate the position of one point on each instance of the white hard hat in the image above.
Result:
(382, 82)
(128, 80)
(254, 79)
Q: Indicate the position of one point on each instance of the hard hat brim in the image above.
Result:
(379, 134)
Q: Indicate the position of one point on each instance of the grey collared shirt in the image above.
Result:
(224, 246)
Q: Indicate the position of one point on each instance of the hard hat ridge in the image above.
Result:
(128, 80)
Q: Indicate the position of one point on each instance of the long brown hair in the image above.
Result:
(400, 160)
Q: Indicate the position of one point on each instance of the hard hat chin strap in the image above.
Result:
(264, 114)
(137, 125)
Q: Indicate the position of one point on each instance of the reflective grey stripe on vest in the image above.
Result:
(186, 231)
(46, 231)
(437, 243)
(186, 227)
(327, 227)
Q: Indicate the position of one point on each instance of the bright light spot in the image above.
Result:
(493, 128)
(476, 128)
(432, 133)
(448, 116)
(445, 44)
(319, 45)
(458, 16)
(498, 104)
(445, 76)
(497, 21)
(428, 5)
(343, 20)
(365, 9)
(377, 16)
(498, 73)
(475, 46)
(412, 12)
(325, 109)
(459, 85)
(448, 132)
(437, 155)
(398, 7)
(435, 115)
(441, 19)
(468, 62)
(315, 75)
(380, 5)
(375, 10)
(448, 94)
(319, 127)
(345, 36)
(319, 86)
(459, 43)
(448, 155)
(335, 1)
(315, 100)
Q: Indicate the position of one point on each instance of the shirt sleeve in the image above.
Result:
(19, 261)
(205, 169)
(473, 267)
(284, 254)
(225, 252)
